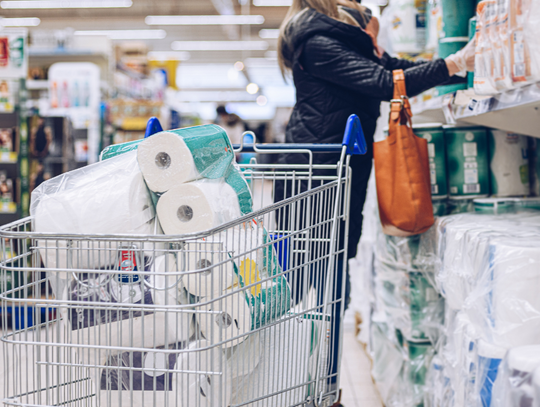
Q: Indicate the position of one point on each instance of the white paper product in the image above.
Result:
(226, 320)
(210, 271)
(484, 83)
(514, 384)
(512, 303)
(284, 365)
(202, 382)
(166, 161)
(536, 387)
(408, 33)
(503, 77)
(524, 23)
(487, 368)
(109, 197)
(509, 163)
(243, 358)
(197, 206)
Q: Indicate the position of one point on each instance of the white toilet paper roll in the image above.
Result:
(197, 206)
(225, 319)
(204, 385)
(166, 161)
(108, 197)
(243, 358)
(210, 269)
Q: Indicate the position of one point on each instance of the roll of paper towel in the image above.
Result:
(225, 319)
(109, 197)
(211, 271)
(197, 206)
(201, 382)
(165, 161)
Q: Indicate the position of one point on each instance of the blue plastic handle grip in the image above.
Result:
(152, 127)
(354, 136)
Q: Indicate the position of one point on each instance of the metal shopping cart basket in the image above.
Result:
(246, 314)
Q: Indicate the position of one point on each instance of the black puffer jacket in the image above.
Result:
(336, 74)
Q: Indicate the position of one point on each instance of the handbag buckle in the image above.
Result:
(400, 101)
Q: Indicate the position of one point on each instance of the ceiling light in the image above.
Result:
(239, 66)
(169, 56)
(272, 3)
(20, 22)
(127, 34)
(252, 88)
(219, 45)
(41, 4)
(267, 33)
(205, 20)
(262, 100)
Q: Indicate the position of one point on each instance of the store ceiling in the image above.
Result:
(133, 18)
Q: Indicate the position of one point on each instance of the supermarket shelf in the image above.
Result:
(8, 158)
(516, 111)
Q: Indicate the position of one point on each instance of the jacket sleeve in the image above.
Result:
(392, 63)
(333, 61)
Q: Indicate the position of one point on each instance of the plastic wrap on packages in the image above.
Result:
(438, 390)
(514, 385)
(285, 363)
(399, 365)
(103, 198)
(405, 292)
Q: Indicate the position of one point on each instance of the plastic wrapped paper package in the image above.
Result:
(200, 381)
(197, 206)
(525, 30)
(438, 390)
(503, 77)
(174, 157)
(286, 362)
(209, 270)
(484, 83)
(509, 164)
(487, 368)
(512, 304)
(514, 384)
(103, 198)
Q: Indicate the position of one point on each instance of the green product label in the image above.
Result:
(468, 167)
(426, 304)
(437, 159)
(419, 359)
(212, 153)
(271, 299)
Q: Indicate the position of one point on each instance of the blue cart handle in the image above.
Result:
(353, 139)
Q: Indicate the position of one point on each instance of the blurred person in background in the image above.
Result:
(330, 49)
(232, 123)
(41, 137)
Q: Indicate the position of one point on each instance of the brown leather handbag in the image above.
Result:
(402, 171)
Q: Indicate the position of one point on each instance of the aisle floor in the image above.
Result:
(357, 387)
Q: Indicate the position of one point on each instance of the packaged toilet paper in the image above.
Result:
(103, 198)
(197, 206)
(514, 384)
(165, 161)
(509, 164)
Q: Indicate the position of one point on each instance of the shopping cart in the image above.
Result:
(240, 315)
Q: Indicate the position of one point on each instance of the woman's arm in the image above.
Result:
(331, 60)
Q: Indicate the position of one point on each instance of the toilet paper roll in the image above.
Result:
(210, 269)
(104, 198)
(165, 161)
(524, 359)
(226, 319)
(197, 206)
(202, 383)
(167, 290)
(243, 358)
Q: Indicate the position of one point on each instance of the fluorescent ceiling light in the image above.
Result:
(20, 22)
(43, 4)
(272, 3)
(127, 34)
(267, 33)
(205, 20)
(219, 45)
(169, 56)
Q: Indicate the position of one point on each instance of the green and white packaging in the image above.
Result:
(494, 206)
(433, 133)
(467, 156)
(509, 164)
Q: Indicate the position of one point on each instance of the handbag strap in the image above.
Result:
(400, 99)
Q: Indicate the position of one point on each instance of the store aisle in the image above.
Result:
(358, 388)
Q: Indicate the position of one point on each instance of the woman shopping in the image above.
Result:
(330, 49)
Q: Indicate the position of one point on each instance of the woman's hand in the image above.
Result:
(462, 61)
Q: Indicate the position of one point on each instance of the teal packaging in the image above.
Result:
(433, 133)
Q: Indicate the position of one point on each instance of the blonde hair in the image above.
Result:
(298, 7)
